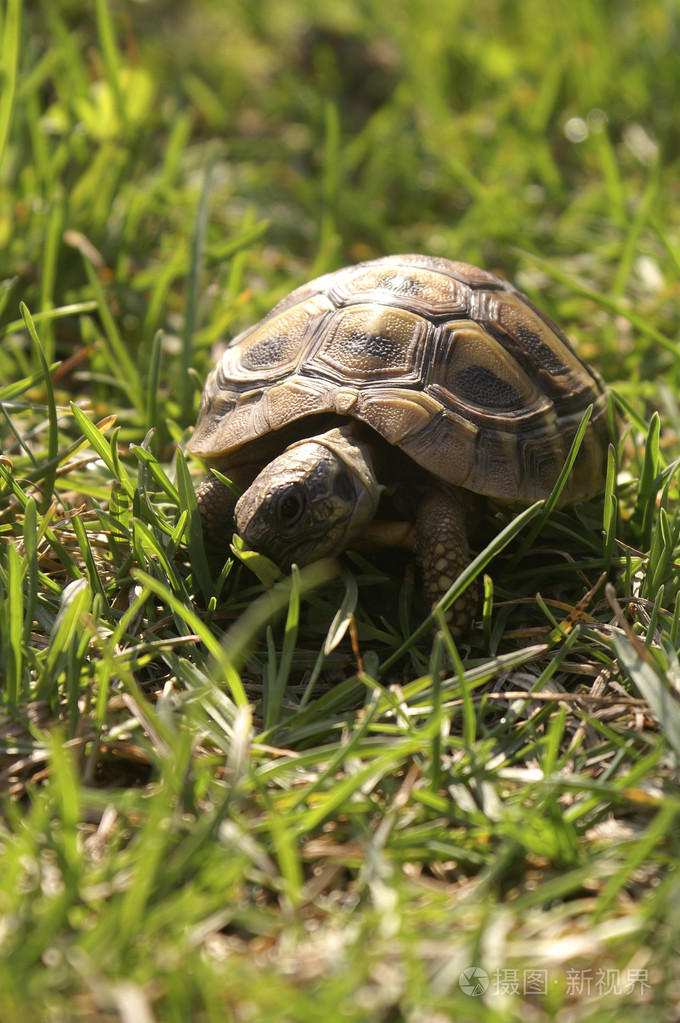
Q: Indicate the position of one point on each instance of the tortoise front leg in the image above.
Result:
(443, 551)
(216, 502)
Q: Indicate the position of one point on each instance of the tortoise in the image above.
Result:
(380, 403)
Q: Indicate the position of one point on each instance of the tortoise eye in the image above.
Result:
(291, 505)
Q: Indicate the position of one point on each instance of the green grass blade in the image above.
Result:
(610, 519)
(187, 502)
(556, 491)
(343, 617)
(476, 566)
(152, 390)
(120, 362)
(88, 558)
(6, 288)
(225, 658)
(284, 834)
(242, 635)
(655, 833)
(328, 234)
(11, 38)
(645, 504)
(76, 599)
(193, 290)
(32, 570)
(103, 449)
(155, 470)
(111, 56)
(463, 687)
(651, 687)
(65, 783)
(146, 545)
(53, 235)
(635, 227)
(47, 315)
(50, 473)
(12, 626)
(277, 685)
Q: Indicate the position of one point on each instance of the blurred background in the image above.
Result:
(288, 137)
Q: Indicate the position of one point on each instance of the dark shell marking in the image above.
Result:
(446, 361)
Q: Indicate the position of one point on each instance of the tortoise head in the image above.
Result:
(311, 501)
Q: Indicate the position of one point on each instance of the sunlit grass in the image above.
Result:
(230, 802)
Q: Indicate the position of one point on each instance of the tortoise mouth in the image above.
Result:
(290, 544)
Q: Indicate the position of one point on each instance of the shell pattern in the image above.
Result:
(446, 361)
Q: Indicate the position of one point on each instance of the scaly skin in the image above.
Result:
(216, 503)
(443, 552)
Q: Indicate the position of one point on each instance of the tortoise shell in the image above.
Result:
(445, 361)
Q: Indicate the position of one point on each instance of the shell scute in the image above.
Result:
(472, 373)
(424, 291)
(369, 342)
(274, 347)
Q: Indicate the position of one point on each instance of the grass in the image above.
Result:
(227, 802)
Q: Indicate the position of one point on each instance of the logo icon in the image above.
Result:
(474, 981)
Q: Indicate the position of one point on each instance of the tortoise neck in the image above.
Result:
(350, 444)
